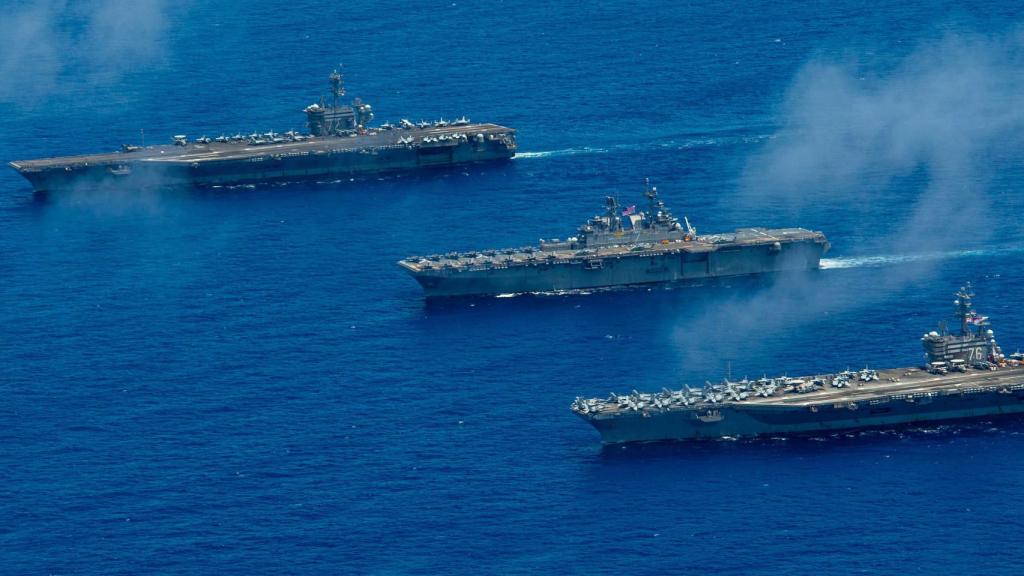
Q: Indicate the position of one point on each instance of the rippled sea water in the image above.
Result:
(240, 380)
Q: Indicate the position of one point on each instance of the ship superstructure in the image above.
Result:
(339, 142)
(623, 246)
(975, 343)
(946, 387)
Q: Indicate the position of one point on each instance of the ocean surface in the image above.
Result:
(241, 380)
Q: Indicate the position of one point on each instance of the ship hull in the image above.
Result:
(739, 421)
(230, 164)
(621, 270)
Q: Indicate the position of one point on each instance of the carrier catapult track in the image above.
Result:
(964, 376)
(340, 142)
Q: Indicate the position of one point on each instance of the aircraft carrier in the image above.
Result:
(339, 143)
(653, 247)
(964, 375)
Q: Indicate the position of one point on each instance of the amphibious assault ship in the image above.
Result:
(653, 247)
(964, 375)
(339, 143)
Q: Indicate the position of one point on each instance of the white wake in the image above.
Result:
(890, 259)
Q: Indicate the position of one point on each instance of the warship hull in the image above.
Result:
(231, 163)
(691, 261)
(917, 398)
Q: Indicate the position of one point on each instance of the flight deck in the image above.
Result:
(624, 246)
(239, 148)
(964, 375)
(340, 142)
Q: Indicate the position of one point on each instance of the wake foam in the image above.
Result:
(891, 259)
(563, 152)
(699, 142)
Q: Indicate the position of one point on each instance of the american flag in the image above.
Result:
(629, 211)
(975, 319)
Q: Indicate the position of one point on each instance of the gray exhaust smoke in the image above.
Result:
(104, 38)
(849, 130)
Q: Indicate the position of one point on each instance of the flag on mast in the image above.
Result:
(975, 319)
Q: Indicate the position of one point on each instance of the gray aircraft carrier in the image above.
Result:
(339, 143)
(654, 247)
(965, 375)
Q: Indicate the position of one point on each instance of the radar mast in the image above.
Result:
(962, 307)
(654, 206)
(652, 198)
(614, 220)
(337, 86)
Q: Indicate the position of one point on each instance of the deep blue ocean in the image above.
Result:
(242, 381)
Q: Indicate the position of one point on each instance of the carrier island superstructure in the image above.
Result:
(964, 375)
(340, 143)
(622, 247)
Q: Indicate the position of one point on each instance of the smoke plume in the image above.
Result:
(849, 130)
(851, 127)
(104, 39)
